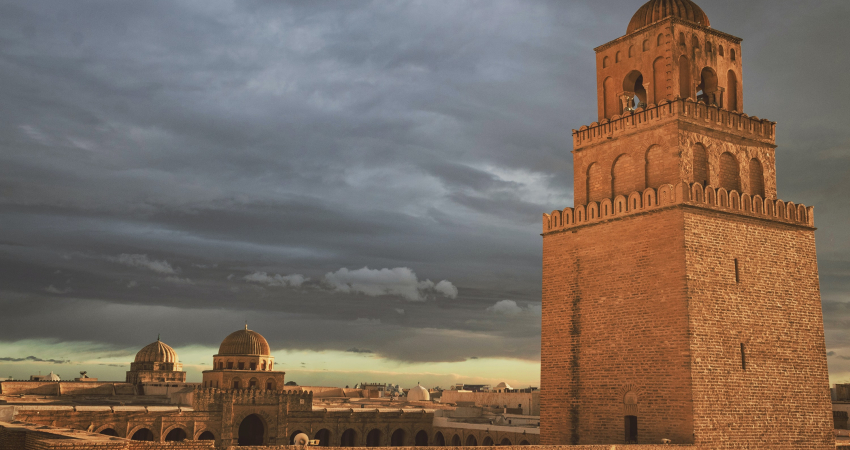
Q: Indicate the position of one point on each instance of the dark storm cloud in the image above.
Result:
(174, 168)
(33, 359)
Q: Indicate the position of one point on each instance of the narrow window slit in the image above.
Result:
(743, 357)
(737, 272)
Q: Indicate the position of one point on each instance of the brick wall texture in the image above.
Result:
(643, 316)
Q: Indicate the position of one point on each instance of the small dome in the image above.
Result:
(418, 394)
(157, 352)
(52, 377)
(244, 342)
(655, 10)
(503, 385)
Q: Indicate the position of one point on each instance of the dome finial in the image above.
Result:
(157, 336)
(246, 324)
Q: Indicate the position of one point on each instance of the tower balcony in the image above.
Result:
(685, 109)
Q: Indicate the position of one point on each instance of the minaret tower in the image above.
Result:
(680, 296)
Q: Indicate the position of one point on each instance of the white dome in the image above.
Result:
(503, 385)
(52, 377)
(418, 394)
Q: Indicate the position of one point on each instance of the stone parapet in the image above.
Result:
(682, 194)
(739, 124)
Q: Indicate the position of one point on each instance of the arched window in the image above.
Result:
(505, 441)
(707, 89)
(617, 57)
(109, 432)
(631, 51)
(206, 436)
(176, 435)
(756, 178)
(700, 164)
(720, 51)
(695, 42)
(682, 40)
(685, 77)
(660, 40)
(487, 442)
(732, 91)
(730, 178)
(634, 83)
(605, 62)
(708, 47)
(646, 45)
(471, 441)
(456, 441)
(732, 54)
(142, 435)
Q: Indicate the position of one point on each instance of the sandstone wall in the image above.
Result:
(615, 323)
(778, 396)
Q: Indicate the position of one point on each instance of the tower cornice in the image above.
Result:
(667, 22)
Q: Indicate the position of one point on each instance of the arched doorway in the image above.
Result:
(524, 443)
(176, 435)
(109, 432)
(347, 438)
(487, 442)
(206, 436)
(455, 441)
(631, 423)
(505, 441)
(397, 439)
(143, 435)
(439, 440)
(471, 441)
(324, 437)
(421, 439)
(292, 436)
(373, 439)
(252, 431)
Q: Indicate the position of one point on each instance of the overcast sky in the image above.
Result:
(361, 181)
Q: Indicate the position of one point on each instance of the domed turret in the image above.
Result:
(655, 10)
(156, 362)
(244, 342)
(157, 352)
(418, 394)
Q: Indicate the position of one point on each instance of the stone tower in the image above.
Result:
(680, 296)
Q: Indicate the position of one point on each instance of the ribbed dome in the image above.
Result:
(655, 10)
(418, 394)
(157, 352)
(244, 342)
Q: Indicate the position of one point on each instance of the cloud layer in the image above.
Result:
(181, 167)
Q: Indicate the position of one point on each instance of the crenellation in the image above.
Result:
(692, 194)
